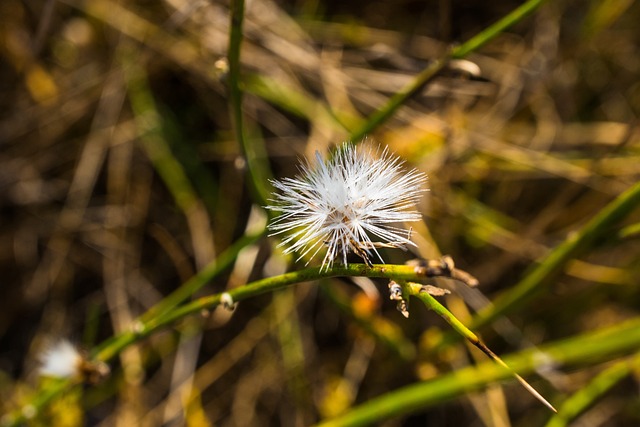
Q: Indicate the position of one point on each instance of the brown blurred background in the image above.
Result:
(120, 178)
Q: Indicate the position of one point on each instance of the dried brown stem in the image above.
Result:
(443, 267)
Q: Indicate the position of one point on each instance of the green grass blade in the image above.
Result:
(552, 266)
(459, 327)
(598, 387)
(254, 153)
(471, 45)
(591, 347)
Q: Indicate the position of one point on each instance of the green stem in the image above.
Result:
(471, 45)
(46, 395)
(496, 29)
(270, 284)
(147, 324)
(435, 306)
(552, 266)
(113, 346)
(591, 347)
(586, 396)
(399, 98)
(254, 153)
(210, 271)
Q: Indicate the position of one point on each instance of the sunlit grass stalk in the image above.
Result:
(457, 52)
(148, 324)
(224, 260)
(592, 347)
(605, 344)
(494, 30)
(271, 284)
(586, 397)
(460, 328)
(542, 276)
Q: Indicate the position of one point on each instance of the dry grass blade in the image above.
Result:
(137, 140)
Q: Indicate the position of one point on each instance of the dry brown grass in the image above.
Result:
(107, 207)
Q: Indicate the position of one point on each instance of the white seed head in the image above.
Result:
(61, 360)
(347, 203)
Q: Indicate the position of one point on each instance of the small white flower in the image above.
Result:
(346, 201)
(62, 360)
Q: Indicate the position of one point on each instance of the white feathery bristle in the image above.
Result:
(61, 360)
(347, 203)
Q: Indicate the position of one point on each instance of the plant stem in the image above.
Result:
(459, 327)
(254, 153)
(596, 388)
(491, 32)
(461, 51)
(270, 284)
(593, 346)
(204, 276)
(552, 266)
(149, 324)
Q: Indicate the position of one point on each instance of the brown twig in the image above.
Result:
(443, 267)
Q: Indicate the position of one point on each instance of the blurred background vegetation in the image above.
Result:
(121, 177)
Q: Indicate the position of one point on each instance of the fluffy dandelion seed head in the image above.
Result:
(347, 203)
(61, 360)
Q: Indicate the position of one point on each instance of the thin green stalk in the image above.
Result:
(485, 36)
(270, 284)
(587, 348)
(459, 327)
(588, 395)
(544, 274)
(629, 231)
(254, 154)
(204, 276)
(46, 395)
(537, 281)
(491, 32)
(145, 327)
(113, 346)
(398, 99)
